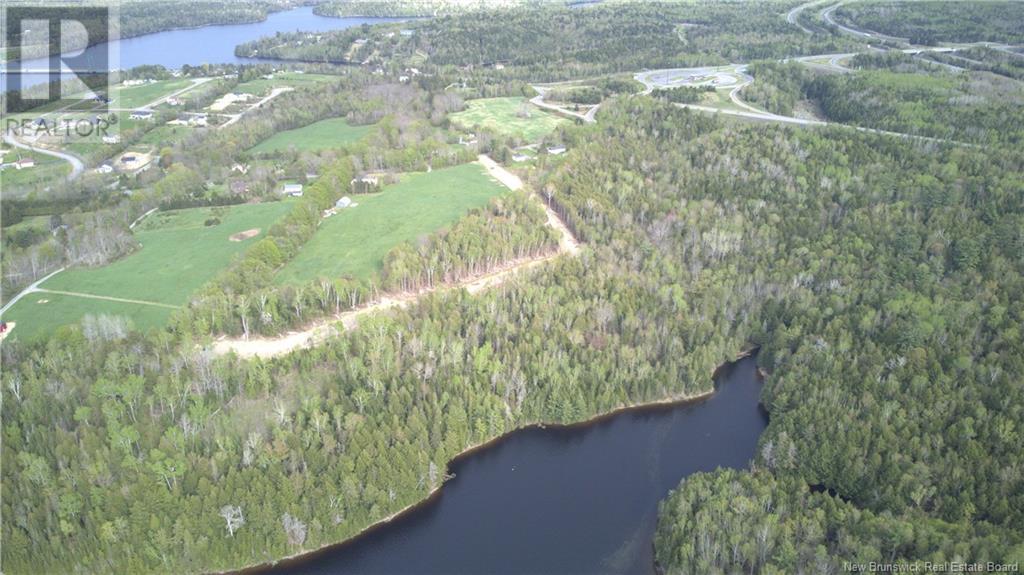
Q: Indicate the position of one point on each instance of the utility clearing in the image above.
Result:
(324, 329)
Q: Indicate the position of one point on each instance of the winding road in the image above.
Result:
(77, 166)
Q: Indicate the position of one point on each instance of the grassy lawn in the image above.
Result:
(46, 168)
(502, 116)
(263, 86)
(138, 96)
(179, 254)
(353, 243)
(331, 133)
(42, 313)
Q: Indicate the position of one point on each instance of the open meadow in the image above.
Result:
(179, 254)
(513, 117)
(353, 243)
(322, 135)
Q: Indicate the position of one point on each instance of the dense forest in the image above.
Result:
(556, 43)
(933, 21)
(881, 278)
(889, 322)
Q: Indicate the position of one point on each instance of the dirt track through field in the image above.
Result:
(104, 297)
(324, 329)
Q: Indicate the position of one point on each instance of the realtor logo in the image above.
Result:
(60, 54)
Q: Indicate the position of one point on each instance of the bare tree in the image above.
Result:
(232, 515)
(294, 529)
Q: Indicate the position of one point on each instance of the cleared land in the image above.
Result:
(179, 254)
(265, 85)
(505, 116)
(322, 135)
(46, 168)
(137, 96)
(353, 243)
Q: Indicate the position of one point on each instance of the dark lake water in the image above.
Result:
(561, 500)
(206, 45)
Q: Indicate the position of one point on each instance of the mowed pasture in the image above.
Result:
(512, 117)
(322, 135)
(143, 94)
(263, 86)
(178, 254)
(353, 242)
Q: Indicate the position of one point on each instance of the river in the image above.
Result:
(205, 45)
(570, 500)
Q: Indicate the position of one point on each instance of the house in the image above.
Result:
(343, 203)
(557, 149)
(172, 101)
(111, 139)
(467, 140)
(520, 157)
(141, 115)
(403, 79)
(293, 190)
(104, 169)
(24, 163)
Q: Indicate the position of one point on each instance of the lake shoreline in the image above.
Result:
(672, 402)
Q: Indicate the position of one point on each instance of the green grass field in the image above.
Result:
(263, 85)
(353, 243)
(138, 96)
(322, 135)
(47, 168)
(178, 255)
(502, 116)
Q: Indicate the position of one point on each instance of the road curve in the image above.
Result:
(77, 167)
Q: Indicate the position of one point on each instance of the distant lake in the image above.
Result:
(205, 45)
(560, 500)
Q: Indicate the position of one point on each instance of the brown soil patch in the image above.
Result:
(245, 235)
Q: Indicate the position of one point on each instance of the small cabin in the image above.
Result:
(343, 203)
(24, 163)
(293, 190)
(556, 150)
(141, 115)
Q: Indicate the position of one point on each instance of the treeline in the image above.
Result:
(683, 94)
(932, 21)
(597, 91)
(241, 298)
(511, 228)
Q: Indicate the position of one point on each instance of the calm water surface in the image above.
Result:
(561, 501)
(209, 44)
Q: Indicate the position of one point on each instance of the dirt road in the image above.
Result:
(324, 329)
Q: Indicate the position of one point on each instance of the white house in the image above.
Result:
(104, 169)
(343, 203)
(24, 163)
(555, 150)
(141, 115)
(294, 190)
